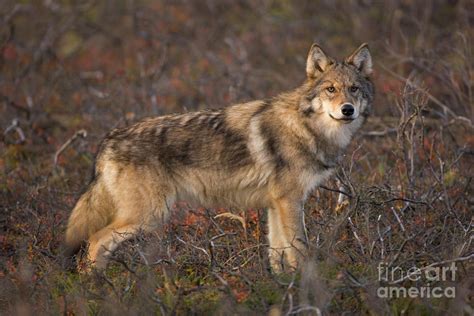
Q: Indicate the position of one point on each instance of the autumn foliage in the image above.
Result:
(72, 70)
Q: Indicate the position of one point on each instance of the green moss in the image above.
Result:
(381, 168)
(264, 294)
(328, 270)
(65, 283)
(203, 302)
(14, 155)
(404, 306)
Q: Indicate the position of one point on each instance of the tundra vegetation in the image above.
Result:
(402, 198)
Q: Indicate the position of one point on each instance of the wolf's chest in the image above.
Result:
(310, 179)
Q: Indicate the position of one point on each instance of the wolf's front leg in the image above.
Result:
(276, 241)
(286, 236)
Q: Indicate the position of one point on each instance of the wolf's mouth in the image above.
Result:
(342, 120)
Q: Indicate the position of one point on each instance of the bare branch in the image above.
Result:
(445, 108)
(80, 133)
(15, 125)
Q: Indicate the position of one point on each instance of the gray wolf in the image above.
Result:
(261, 154)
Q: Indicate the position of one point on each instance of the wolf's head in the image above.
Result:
(339, 94)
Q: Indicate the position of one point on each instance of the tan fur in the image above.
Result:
(262, 154)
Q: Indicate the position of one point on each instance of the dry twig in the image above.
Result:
(80, 133)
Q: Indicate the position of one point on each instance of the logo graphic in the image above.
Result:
(424, 278)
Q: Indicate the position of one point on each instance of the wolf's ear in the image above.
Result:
(362, 59)
(317, 61)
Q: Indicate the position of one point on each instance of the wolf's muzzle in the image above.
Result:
(347, 110)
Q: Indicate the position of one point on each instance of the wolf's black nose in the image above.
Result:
(347, 109)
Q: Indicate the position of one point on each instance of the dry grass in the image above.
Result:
(74, 70)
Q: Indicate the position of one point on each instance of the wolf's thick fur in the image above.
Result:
(261, 154)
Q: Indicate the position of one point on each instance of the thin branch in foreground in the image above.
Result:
(398, 219)
(15, 125)
(336, 191)
(356, 235)
(234, 217)
(80, 133)
(382, 133)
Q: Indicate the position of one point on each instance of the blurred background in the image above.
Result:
(83, 62)
(72, 70)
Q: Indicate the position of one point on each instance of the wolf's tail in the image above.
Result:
(92, 212)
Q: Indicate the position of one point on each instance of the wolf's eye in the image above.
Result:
(331, 89)
(354, 89)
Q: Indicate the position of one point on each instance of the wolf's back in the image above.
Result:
(91, 213)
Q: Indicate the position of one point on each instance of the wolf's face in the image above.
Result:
(342, 94)
(340, 90)
(339, 93)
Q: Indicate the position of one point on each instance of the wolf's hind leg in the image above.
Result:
(141, 203)
(103, 243)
